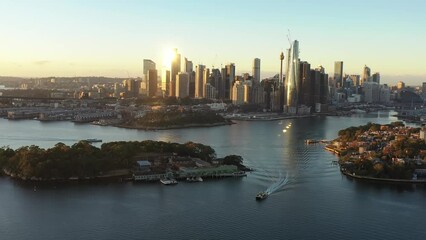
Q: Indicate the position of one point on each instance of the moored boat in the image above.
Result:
(194, 179)
(168, 181)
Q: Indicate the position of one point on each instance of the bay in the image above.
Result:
(316, 201)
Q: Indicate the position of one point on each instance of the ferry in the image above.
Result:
(261, 195)
(168, 181)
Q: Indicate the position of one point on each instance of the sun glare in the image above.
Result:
(168, 58)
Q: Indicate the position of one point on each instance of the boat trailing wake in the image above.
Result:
(278, 185)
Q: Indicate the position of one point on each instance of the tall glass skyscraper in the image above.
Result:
(338, 74)
(292, 76)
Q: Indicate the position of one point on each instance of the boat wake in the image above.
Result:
(278, 185)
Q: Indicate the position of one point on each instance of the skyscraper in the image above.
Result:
(338, 74)
(228, 75)
(182, 85)
(206, 74)
(152, 80)
(256, 71)
(292, 77)
(165, 82)
(366, 73)
(175, 69)
(199, 81)
(148, 64)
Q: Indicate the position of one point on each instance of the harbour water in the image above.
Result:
(315, 202)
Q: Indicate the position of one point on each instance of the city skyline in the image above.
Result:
(109, 38)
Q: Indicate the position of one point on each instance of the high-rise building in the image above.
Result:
(371, 92)
(256, 71)
(182, 85)
(292, 77)
(376, 78)
(215, 80)
(175, 69)
(305, 93)
(355, 80)
(228, 75)
(338, 73)
(152, 82)
(366, 73)
(165, 82)
(188, 68)
(199, 80)
(424, 90)
(148, 64)
(206, 75)
(132, 87)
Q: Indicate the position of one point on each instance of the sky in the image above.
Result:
(42, 38)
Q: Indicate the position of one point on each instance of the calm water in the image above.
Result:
(316, 202)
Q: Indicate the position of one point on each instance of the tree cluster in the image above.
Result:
(84, 160)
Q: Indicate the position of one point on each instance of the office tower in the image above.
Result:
(211, 92)
(384, 94)
(228, 75)
(182, 85)
(316, 85)
(324, 88)
(165, 82)
(152, 82)
(424, 90)
(376, 77)
(338, 74)
(148, 64)
(305, 93)
(206, 75)
(256, 71)
(292, 77)
(188, 68)
(365, 74)
(355, 79)
(371, 92)
(216, 80)
(175, 69)
(281, 68)
(199, 81)
(132, 87)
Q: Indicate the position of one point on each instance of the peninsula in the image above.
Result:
(391, 152)
(145, 160)
(159, 120)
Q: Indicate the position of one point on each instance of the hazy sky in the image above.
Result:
(112, 37)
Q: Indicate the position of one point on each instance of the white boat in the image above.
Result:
(168, 181)
(194, 179)
(239, 174)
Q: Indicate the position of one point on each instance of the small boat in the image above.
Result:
(261, 195)
(93, 140)
(194, 179)
(168, 181)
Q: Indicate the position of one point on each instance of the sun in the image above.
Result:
(169, 55)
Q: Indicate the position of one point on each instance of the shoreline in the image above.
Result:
(384, 180)
(190, 125)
